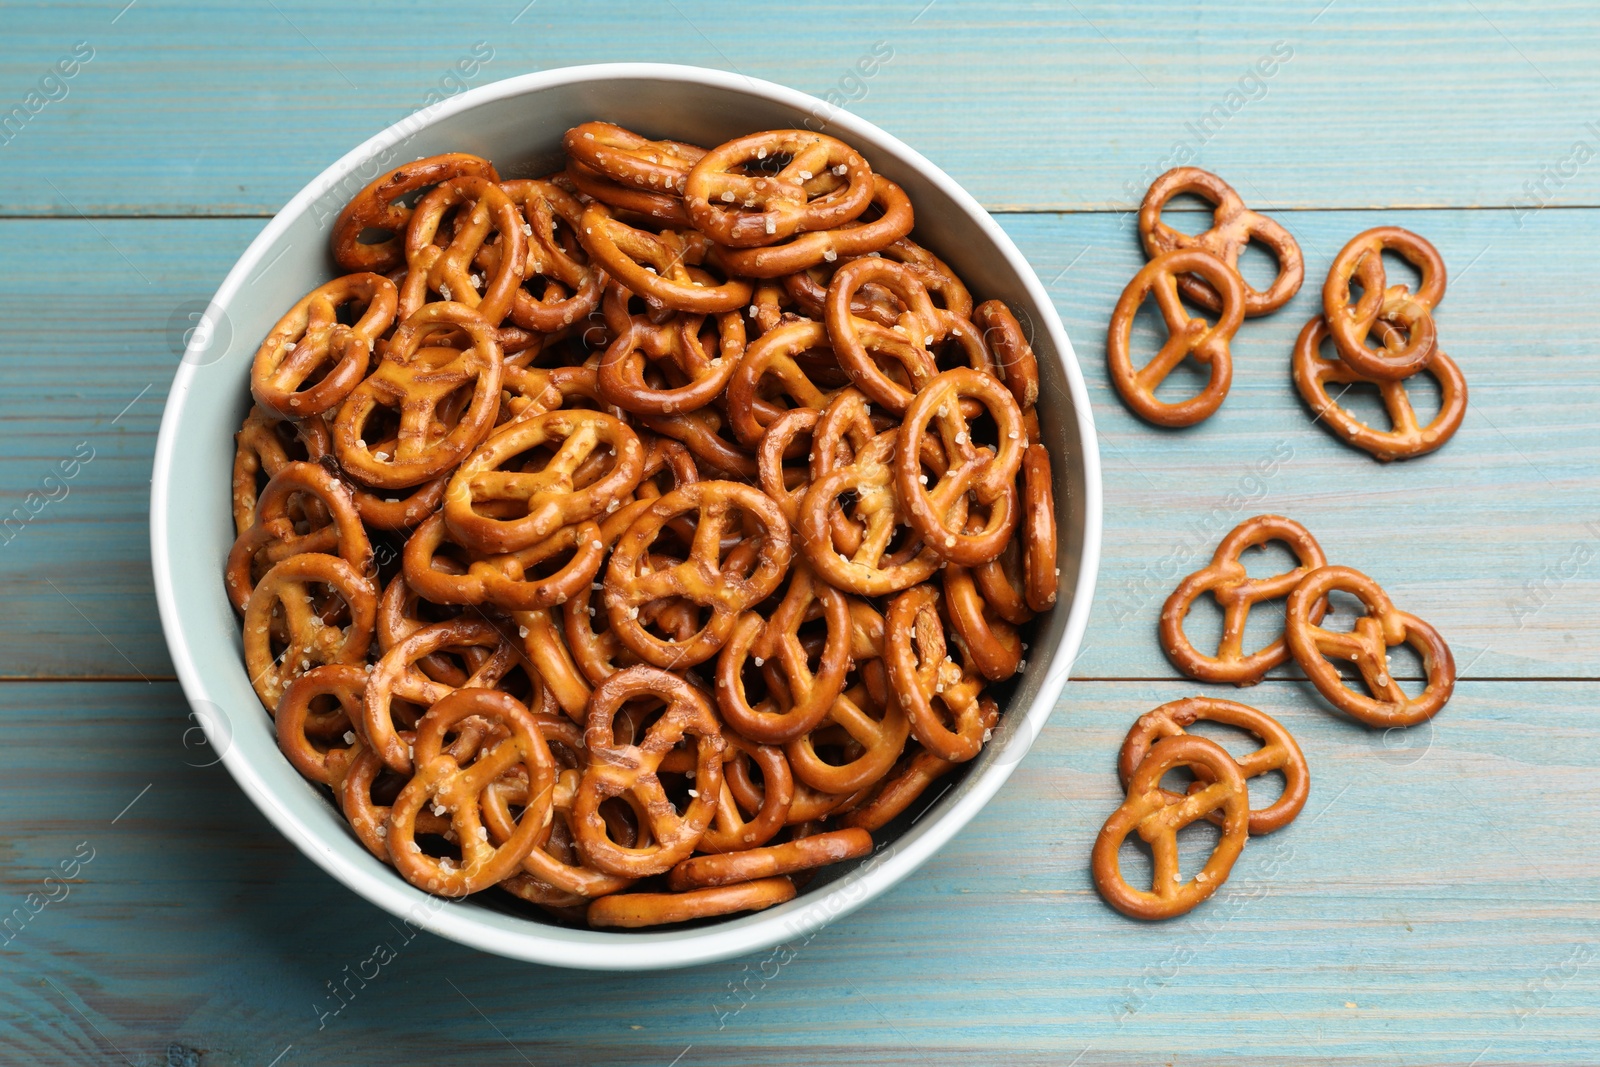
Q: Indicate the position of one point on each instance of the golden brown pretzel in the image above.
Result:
(656, 909)
(775, 646)
(508, 580)
(700, 370)
(276, 534)
(1186, 336)
(442, 780)
(723, 583)
(552, 872)
(873, 567)
(546, 648)
(658, 266)
(1146, 811)
(993, 643)
(397, 676)
(451, 269)
(618, 767)
(627, 157)
(382, 206)
(420, 376)
(776, 442)
(1003, 335)
(899, 789)
(939, 512)
(1233, 226)
(859, 238)
(1236, 593)
(1039, 528)
(1366, 646)
(731, 830)
(538, 502)
(263, 446)
(369, 819)
(769, 365)
(925, 680)
(310, 342)
(295, 721)
(867, 735)
(1278, 752)
(282, 594)
(572, 289)
(1406, 438)
(791, 857)
(1349, 325)
(856, 339)
(825, 184)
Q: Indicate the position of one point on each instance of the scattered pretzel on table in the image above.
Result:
(569, 521)
(1233, 226)
(1187, 336)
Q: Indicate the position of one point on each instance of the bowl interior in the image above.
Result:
(518, 124)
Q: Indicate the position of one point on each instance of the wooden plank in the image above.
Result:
(229, 109)
(1435, 904)
(1493, 538)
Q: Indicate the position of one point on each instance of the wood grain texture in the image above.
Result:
(1433, 904)
(1495, 538)
(1033, 105)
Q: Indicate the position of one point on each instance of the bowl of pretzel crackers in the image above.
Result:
(626, 516)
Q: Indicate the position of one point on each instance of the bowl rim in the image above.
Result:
(636, 950)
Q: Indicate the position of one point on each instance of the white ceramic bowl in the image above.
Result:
(518, 123)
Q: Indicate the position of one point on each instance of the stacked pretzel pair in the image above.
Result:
(1158, 744)
(640, 538)
(1401, 322)
(1380, 338)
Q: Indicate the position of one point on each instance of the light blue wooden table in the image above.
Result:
(1437, 903)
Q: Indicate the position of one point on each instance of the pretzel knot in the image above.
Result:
(495, 509)
(1406, 437)
(280, 612)
(307, 734)
(1362, 260)
(974, 474)
(616, 769)
(624, 156)
(516, 581)
(1236, 593)
(940, 698)
(1366, 646)
(701, 352)
(450, 269)
(857, 340)
(801, 697)
(1148, 812)
(732, 829)
(421, 375)
(310, 342)
(862, 237)
(1233, 226)
(451, 785)
(823, 185)
(284, 527)
(769, 366)
(552, 872)
(398, 675)
(1278, 752)
(870, 563)
(1207, 342)
(572, 288)
(709, 577)
(660, 266)
(382, 206)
